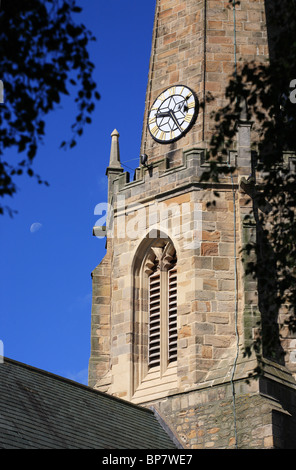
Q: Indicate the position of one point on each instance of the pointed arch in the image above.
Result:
(154, 306)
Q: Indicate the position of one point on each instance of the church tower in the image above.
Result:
(172, 308)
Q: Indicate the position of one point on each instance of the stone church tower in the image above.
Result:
(172, 309)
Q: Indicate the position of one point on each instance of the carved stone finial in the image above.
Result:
(115, 153)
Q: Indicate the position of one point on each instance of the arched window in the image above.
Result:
(155, 309)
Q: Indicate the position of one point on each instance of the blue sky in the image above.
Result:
(45, 293)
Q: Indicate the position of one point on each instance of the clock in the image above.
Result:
(172, 114)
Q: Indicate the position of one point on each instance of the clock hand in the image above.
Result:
(172, 114)
(163, 114)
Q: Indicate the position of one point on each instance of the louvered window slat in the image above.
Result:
(154, 321)
(162, 323)
(172, 315)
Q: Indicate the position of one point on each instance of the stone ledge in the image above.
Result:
(243, 374)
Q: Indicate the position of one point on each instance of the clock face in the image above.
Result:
(172, 114)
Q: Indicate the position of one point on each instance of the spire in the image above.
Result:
(114, 162)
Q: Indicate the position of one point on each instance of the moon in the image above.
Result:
(35, 227)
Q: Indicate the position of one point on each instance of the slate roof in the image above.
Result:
(40, 410)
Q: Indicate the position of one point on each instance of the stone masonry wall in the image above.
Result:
(99, 364)
(194, 45)
(206, 279)
(205, 419)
